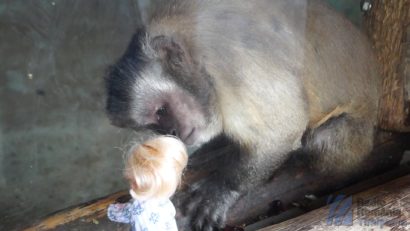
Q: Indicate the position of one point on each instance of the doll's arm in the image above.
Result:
(120, 212)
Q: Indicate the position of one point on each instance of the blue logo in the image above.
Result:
(340, 210)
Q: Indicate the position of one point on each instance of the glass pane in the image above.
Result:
(57, 147)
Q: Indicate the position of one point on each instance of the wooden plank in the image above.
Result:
(388, 24)
(89, 213)
(383, 207)
(406, 68)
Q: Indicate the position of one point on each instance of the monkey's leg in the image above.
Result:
(339, 145)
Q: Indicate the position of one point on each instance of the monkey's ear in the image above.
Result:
(172, 53)
(135, 45)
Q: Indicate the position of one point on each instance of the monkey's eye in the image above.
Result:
(162, 111)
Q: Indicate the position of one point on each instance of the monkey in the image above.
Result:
(270, 76)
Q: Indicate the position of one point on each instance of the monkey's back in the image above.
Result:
(277, 61)
(341, 70)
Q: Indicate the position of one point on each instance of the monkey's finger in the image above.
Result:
(220, 219)
(194, 187)
(200, 221)
(192, 205)
(209, 227)
(180, 198)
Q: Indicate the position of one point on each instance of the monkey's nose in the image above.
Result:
(174, 132)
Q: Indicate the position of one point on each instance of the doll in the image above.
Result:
(154, 170)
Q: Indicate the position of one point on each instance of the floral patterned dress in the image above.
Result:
(149, 215)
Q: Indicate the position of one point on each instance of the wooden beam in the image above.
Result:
(386, 206)
(388, 25)
(89, 213)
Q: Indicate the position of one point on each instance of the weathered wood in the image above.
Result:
(386, 206)
(92, 212)
(388, 25)
(295, 180)
(406, 64)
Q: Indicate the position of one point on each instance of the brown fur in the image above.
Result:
(262, 73)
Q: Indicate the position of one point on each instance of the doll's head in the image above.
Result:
(155, 167)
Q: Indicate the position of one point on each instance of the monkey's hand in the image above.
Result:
(206, 203)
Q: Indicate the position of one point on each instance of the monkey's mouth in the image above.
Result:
(190, 138)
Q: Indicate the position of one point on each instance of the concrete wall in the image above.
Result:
(57, 147)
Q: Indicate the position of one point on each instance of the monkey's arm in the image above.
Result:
(234, 172)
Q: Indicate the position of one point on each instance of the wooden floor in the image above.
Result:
(385, 207)
(293, 191)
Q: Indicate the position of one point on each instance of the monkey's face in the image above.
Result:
(159, 103)
(157, 88)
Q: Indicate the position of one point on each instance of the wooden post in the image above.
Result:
(388, 25)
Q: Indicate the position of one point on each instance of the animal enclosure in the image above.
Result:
(59, 151)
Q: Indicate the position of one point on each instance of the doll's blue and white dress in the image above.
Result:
(149, 215)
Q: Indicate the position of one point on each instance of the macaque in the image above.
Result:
(271, 76)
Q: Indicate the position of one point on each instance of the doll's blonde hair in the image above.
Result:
(155, 167)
